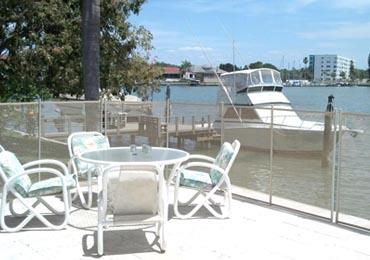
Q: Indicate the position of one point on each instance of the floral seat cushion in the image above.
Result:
(50, 186)
(195, 179)
(11, 166)
(205, 180)
(83, 143)
(222, 160)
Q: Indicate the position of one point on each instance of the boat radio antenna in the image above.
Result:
(217, 76)
(234, 46)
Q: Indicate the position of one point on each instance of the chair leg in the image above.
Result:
(162, 240)
(31, 209)
(23, 214)
(85, 204)
(100, 238)
(207, 201)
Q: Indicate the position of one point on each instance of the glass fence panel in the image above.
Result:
(19, 126)
(191, 126)
(60, 119)
(286, 175)
(125, 122)
(251, 170)
(302, 159)
(354, 171)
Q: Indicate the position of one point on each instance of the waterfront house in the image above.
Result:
(206, 74)
(171, 74)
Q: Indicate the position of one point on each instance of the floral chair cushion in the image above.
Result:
(83, 143)
(195, 179)
(222, 160)
(50, 186)
(11, 166)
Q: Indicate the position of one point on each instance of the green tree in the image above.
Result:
(41, 47)
(228, 67)
(260, 64)
(256, 65)
(38, 39)
(352, 71)
(305, 61)
(332, 75)
(368, 63)
(185, 66)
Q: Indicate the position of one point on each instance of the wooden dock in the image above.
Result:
(151, 127)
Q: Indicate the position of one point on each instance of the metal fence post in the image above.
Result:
(338, 173)
(39, 133)
(222, 122)
(167, 121)
(271, 150)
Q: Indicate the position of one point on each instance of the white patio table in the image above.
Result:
(131, 155)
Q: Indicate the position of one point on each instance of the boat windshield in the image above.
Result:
(253, 80)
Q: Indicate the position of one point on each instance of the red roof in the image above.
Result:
(4, 57)
(171, 70)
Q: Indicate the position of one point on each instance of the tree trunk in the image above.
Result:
(90, 60)
(90, 44)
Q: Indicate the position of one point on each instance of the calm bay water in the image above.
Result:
(304, 180)
(349, 99)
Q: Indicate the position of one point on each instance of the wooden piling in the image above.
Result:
(327, 136)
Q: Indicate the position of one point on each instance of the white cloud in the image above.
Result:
(348, 31)
(195, 48)
(359, 5)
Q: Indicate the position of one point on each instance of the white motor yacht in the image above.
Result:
(254, 104)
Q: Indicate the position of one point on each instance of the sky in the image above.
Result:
(280, 32)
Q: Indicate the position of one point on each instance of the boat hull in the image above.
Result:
(283, 140)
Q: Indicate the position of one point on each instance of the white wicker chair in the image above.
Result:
(207, 175)
(81, 142)
(19, 186)
(132, 195)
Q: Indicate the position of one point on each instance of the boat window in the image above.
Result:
(268, 88)
(279, 89)
(277, 77)
(255, 77)
(225, 80)
(267, 77)
(254, 89)
(240, 81)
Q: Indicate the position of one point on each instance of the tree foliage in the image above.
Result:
(260, 64)
(185, 65)
(228, 67)
(368, 63)
(41, 48)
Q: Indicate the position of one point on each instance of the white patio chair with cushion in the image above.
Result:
(18, 185)
(81, 142)
(207, 176)
(132, 195)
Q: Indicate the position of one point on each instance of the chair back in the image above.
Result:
(132, 190)
(10, 166)
(225, 159)
(80, 142)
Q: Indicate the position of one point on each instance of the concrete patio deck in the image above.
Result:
(255, 231)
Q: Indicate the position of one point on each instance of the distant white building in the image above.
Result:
(330, 67)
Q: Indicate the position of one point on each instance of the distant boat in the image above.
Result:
(248, 96)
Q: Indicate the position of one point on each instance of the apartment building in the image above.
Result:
(329, 67)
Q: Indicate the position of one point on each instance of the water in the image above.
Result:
(304, 180)
(349, 99)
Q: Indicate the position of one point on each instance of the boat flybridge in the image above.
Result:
(254, 103)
